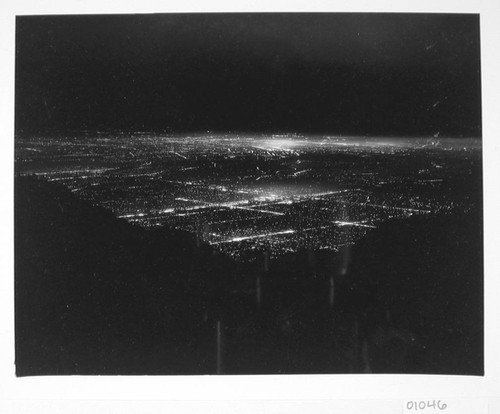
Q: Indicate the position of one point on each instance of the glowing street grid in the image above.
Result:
(244, 194)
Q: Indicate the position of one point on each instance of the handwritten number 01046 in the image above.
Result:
(422, 405)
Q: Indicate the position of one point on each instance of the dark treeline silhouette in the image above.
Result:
(97, 295)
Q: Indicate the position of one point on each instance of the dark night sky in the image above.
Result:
(362, 74)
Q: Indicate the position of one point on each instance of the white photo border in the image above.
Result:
(40, 392)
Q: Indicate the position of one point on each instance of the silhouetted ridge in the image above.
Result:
(423, 276)
(93, 291)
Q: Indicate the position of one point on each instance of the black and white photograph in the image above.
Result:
(248, 194)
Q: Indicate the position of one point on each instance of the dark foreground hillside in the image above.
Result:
(424, 276)
(92, 290)
(96, 295)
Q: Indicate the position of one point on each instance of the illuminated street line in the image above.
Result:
(387, 207)
(180, 155)
(276, 213)
(278, 233)
(59, 179)
(132, 215)
(301, 172)
(353, 223)
(257, 236)
(230, 205)
(143, 175)
(331, 193)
